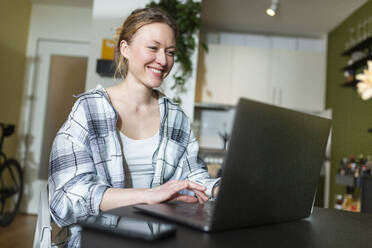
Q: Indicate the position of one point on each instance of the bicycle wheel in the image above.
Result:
(11, 189)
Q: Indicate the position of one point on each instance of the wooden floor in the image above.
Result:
(20, 233)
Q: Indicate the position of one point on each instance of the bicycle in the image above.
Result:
(11, 181)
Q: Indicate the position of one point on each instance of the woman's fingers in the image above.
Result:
(196, 188)
(201, 196)
(182, 185)
(170, 191)
(185, 198)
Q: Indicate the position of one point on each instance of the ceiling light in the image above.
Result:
(273, 8)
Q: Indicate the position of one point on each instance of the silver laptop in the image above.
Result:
(270, 172)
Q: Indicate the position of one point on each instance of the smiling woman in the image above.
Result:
(127, 144)
(133, 23)
(149, 54)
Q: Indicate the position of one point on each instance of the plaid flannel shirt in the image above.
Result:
(87, 157)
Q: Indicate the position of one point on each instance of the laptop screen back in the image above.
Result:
(272, 166)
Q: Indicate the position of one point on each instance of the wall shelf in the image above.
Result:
(350, 84)
(105, 67)
(357, 64)
(347, 180)
(213, 106)
(365, 44)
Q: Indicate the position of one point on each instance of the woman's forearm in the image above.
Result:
(118, 197)
(115, 197)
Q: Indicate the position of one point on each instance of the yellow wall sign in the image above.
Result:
(108, 49)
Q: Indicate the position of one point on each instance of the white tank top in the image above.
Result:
(138, 168)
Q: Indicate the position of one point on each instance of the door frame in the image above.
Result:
(36, 111)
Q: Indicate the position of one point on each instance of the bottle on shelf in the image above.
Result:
(338, 202)
(349, 76)
(348, 200)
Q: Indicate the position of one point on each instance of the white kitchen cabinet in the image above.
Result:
(282, 74)
(250, 73)
(229, 72)
(214, 75)
(298, 79)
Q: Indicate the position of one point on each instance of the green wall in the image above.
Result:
(351, 116)
(14, 24)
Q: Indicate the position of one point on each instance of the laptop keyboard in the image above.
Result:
(199, 211)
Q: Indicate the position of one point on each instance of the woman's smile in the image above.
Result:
(156, 72)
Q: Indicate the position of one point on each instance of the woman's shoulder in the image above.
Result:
(90, 98)
(169, 102)
(97, 94)
(92, 104)
(91, 112)
(171, 106)
(175, 114)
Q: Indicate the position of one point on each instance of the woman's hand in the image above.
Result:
(118, 197)
(170, 192)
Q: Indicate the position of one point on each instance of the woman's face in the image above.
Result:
(150, 54)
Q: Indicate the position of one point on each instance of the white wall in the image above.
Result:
(109, 14)
(47, 22)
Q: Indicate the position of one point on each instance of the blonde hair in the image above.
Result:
(137, 19)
